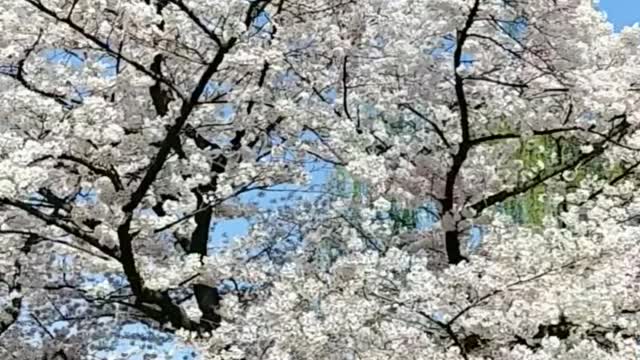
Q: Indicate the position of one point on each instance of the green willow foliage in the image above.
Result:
(343, 185)
(533, 206)
(529, 208)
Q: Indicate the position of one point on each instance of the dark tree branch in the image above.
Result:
(196, 20)
(14, 307)
(101, 44)
(598, 150)
(174, 132)
(497, 82)
(111, 173)
(459, 80)
(345, 90)
(452, 240)
(42, 238)
(493, 137)
(628, 171)
(435, 126)
(17, 72)
(256, 8)
(51, 220)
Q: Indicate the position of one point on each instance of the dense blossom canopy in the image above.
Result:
(130, 128)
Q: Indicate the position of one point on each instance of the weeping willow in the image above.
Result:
(534, 205)
(531, 207)
(344, 186)
(528, 208)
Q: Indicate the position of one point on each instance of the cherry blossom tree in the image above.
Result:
(132, 127)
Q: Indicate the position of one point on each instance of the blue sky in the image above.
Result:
(621, 12)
